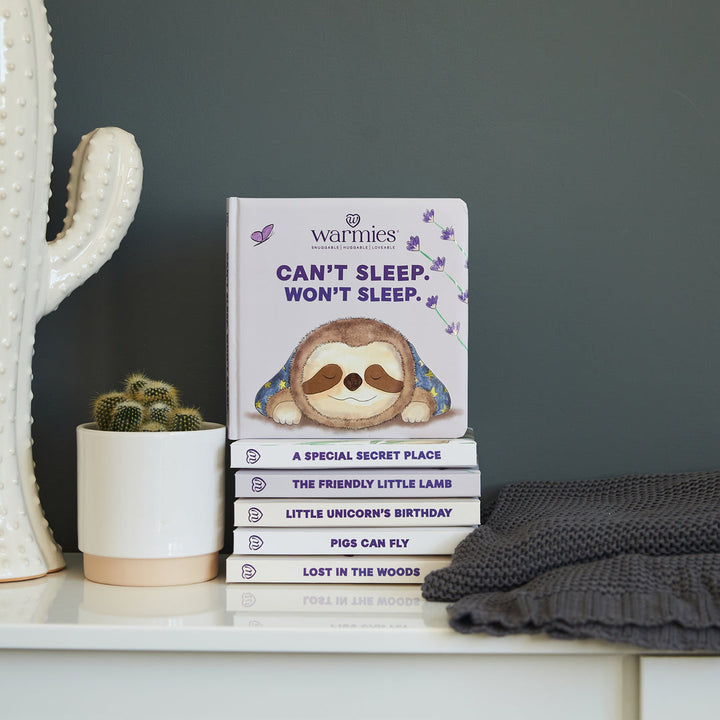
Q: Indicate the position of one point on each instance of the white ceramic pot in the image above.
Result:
(150, 505)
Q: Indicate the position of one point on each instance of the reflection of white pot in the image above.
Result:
(150, 505)
(198, 605)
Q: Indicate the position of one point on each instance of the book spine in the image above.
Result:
(331, 569)
(231, 330)
(282, 512)
(262, 454)
(341, 541)
(331, 598)
(446, 482)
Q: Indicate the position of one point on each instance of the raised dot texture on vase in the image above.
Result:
(27, 103)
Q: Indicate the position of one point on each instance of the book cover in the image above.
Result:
(296, 513)
(347, 317)
(344, 541)
(287, 453)
(332, 569)
(297, 599)
(431, 482)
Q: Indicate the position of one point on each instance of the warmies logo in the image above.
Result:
(354, 234)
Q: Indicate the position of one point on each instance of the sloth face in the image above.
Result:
(344, 382)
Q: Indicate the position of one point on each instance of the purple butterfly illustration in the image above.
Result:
(260, 236)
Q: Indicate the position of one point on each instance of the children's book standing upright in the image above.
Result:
(347, 318)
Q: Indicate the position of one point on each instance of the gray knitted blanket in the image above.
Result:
(630, 559)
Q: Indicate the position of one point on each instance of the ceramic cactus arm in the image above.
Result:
(103, 193)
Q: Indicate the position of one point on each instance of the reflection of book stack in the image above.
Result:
(332, 606)
(349, 524)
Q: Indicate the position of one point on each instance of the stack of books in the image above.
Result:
(349, 522)
(347, 389)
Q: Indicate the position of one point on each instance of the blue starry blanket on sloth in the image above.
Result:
(424, 379)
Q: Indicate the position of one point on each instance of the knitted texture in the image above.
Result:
(634, 558)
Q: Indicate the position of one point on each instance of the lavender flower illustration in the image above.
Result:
(437, 264)
(413, 244)
(447, 233)
(452, 328)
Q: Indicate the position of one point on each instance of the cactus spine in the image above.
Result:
(152, 427)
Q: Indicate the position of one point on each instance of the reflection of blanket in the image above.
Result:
(634, 559)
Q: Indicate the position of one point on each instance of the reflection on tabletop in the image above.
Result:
(67, 598)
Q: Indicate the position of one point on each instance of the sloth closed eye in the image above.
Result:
(323, 379)
(377, 376)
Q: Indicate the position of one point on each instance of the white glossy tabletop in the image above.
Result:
(64, 611)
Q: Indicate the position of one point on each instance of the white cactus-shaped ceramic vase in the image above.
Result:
(103, 192)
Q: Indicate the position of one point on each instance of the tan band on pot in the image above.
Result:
(150, 572)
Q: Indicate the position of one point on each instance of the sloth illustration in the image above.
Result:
(353, 373)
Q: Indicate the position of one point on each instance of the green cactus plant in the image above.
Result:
(157, 391)
(158, 412)
(134, 383)
(184, 419)
(127, 417)
(144, 405)
(104, 407)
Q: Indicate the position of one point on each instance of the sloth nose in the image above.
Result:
(352, 382)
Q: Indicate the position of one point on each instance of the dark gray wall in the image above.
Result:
(582, 135)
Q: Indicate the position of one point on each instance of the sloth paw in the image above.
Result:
(416, 412)
(287, 413)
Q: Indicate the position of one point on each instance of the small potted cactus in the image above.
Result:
(151, 476)
(144, 405)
